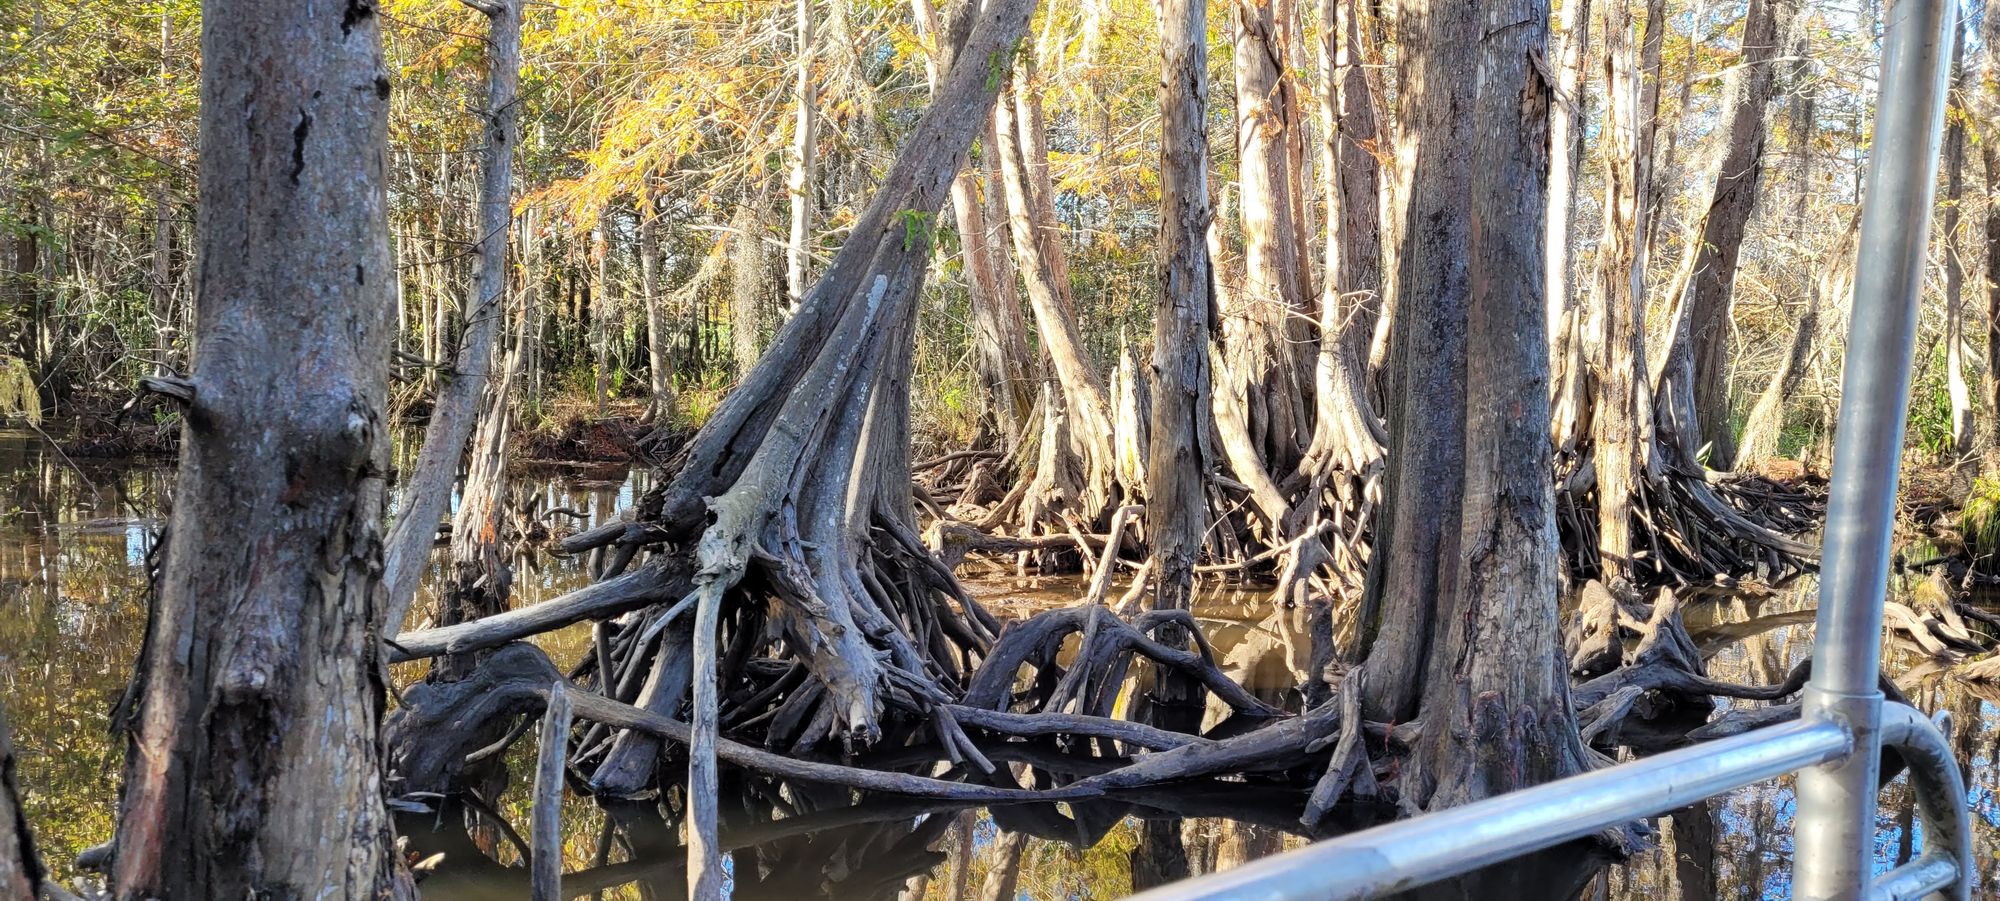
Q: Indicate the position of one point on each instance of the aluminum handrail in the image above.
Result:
(1409, 853)
(1836, 745)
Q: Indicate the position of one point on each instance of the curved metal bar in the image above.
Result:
(1939, 873)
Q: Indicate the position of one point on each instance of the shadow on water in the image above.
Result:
(74, 540)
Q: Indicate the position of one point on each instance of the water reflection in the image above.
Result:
(75, 540)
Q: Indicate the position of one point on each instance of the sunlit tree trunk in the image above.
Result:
(1767, 416)
(1956, 389)
(748, 270)
(428, 490)
(1565, 155)
(1263, 319)
(1724, 224)
(805, 144)
(1078, 467)
(252, 768)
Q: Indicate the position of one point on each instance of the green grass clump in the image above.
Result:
(1979, 523)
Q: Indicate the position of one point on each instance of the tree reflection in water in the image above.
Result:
(74, 540)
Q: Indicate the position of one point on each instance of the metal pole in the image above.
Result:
(1836, 813)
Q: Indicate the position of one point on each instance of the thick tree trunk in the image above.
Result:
(805, 145)
(1617, 349)
(1565, 156)
(253, 770)
(1263, 318)
(1178, 460)
(427, 492)
(1418, 525)
(1724, 225)
(1465, 590)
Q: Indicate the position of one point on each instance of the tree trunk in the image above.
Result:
(1178, 461)
(1617, 348)
(1077, 471)
(805, 145)
(602, 312)
(1005, 873)
(1000, 334)
(1723, 227)
(1989, 31)
(1261, 325)
(428, 489)
(1956, 389)
(1467, 598)
(252, 769)
(748, 280)
(659, 368)
(1565, 156)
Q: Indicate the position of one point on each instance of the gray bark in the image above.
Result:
(252, 769)
(1177, 508)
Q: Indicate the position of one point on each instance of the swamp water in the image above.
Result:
(74, 539)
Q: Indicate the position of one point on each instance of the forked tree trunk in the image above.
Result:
(1474, 613)
(1724, 225)
(1077, 472)
(1617, 343)
(794, 499)
(427, 491)
(252, 768)
(805, 144)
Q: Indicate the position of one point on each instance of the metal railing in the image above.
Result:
(1844, 724)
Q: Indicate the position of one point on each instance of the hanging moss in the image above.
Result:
(17, 391)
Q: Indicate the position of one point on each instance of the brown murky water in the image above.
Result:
(74, 536)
